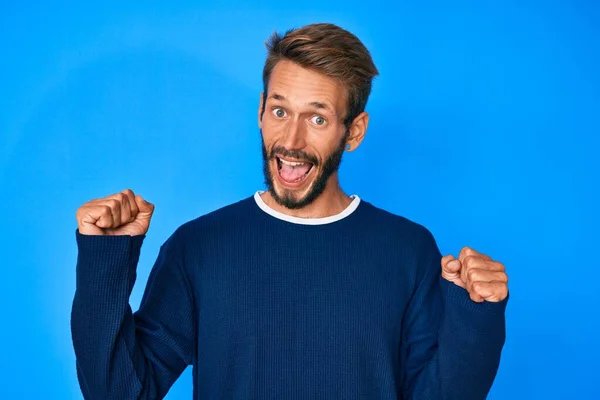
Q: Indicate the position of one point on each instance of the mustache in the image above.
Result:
(295, 154)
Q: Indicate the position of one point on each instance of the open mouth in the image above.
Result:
(293, 172)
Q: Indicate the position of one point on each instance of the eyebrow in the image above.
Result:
(316, 104)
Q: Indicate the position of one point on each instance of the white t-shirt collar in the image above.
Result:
(307, 221)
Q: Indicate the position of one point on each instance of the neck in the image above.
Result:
(332, 201)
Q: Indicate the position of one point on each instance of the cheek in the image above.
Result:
(272, 132)
(331, 144)
(267, 137)
(269, 128)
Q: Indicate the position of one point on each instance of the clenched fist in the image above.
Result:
(484, 278)
(122, 213)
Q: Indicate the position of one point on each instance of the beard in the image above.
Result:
(287, 198)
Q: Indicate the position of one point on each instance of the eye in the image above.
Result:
(278, 112)
(318, 120)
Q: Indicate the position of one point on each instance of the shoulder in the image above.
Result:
(410, 244)
(214, 224)
(382, 222)
(411, 241)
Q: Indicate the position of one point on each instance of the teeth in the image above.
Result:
(293, 164)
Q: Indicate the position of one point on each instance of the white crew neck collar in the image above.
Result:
(307, 221)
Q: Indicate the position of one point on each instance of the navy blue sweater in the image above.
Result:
(263, 307)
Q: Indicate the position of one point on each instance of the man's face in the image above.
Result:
(302, 132)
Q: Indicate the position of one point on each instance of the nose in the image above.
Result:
(295, 136)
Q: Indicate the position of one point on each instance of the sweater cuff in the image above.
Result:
(109, 252)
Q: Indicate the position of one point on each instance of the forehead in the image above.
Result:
(300, 86)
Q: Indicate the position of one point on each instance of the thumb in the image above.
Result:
(145, 208)
(451, 270)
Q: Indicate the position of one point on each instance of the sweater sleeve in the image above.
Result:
(451, 344)
(120, 354)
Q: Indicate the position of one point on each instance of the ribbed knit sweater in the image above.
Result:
(265, 306)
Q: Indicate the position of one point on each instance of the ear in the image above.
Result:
(260, 106)
(358, 129)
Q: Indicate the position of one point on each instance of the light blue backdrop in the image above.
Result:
(484, 127)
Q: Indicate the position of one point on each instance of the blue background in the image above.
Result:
(484, 128)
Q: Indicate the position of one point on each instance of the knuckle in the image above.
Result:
(472, 274)
(469, 261)
(494, 266)
(469, 251)
(113, 204)
(81, 211)
(477, 286)
(125, 201)
(464, 251)
(475, 297)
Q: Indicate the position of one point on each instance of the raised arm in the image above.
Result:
(121, 355)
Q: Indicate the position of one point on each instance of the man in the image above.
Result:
(300, 291)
